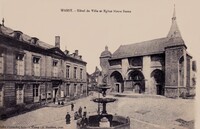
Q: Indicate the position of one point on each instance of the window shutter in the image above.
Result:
(1, 65)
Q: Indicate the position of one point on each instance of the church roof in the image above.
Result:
(155, 46)
(150, 47)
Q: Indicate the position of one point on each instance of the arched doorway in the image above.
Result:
(138, 82)
(159, 80)
(117, 81)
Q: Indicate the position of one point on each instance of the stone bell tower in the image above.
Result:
(104, 63)
(175, 62)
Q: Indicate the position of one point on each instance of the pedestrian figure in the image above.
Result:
(84, 121)
(76, 116)
(80, 111)
(72, 107)
(84, 112)
(62, 103)
(68, 118)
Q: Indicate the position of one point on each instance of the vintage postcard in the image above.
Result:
(99, 64)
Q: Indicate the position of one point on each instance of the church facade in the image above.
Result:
(32, 71)
(160, 66)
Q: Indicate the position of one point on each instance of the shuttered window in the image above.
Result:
(1, 64)
(36, 92)
(19, 93)
(81, 73)
(1, 61)
(36, 66)
(1, 95)
(55, 68)
(67, 71)
(75, 89)
(81, 88)
(75, 72)
(20, 64)
(67, 89)
(61, 93)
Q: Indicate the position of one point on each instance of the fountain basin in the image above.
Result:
(104, 100)
(116, 122)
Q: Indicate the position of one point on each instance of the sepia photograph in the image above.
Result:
(109, 64)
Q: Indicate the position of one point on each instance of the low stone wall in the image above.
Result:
(125, 124)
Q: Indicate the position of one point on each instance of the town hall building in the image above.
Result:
(32, 71)
(160, 66)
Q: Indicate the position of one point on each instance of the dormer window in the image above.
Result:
(34, 40)
(55, 63)
(36, 60)
(17, 35)
(19, 56)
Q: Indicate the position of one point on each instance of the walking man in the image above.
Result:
(72, 107)
(68, 118)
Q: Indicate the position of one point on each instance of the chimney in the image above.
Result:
(57, 41)
(76, 52)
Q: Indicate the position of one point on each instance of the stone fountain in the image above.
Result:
(104, 120)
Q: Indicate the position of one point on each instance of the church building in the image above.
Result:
(160, 66)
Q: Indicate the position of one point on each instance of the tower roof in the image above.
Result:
(174, 30)
(106, 53)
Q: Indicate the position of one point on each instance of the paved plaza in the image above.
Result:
(144, 112)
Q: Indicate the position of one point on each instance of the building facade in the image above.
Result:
(94, 80)
(160, 66)
(32, 71)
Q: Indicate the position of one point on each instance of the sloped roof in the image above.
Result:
(147, 47)
(6, 31)
(10, 32)
(155, 46)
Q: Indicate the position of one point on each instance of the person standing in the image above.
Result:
(84, 112)
(67, 117)
(84, 121)
(76, 116)
(72, 107)
(80, 111)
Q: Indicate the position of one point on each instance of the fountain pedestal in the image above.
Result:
(105, 120)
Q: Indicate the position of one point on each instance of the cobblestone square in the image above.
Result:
(144, 113)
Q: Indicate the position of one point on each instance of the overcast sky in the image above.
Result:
(90, 32)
